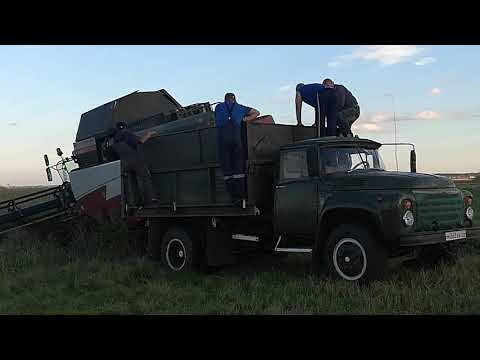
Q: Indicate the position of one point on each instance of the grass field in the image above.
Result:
(7, 193)
(102, 275)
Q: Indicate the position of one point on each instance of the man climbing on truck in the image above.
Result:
(229, 116)
(346, 107)
(126, 148)
(323, 100)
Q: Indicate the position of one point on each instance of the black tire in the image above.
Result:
(352, 253)
(179, 253)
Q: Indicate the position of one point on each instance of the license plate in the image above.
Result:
(455, 235)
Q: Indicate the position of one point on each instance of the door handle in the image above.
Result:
(280, 187)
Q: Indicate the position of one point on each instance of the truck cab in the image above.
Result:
(334, 198)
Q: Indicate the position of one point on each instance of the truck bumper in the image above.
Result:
(437, 237)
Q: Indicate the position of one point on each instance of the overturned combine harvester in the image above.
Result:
(329, 197)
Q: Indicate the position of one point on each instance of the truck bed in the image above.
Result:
(186, 170)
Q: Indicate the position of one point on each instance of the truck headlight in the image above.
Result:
(408, 218)
(469, 213)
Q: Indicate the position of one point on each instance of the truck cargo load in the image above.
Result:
(129, 109)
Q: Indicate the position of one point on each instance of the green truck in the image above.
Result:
(329, 197)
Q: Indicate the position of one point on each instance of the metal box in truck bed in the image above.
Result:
(130, 109)
(186, 170)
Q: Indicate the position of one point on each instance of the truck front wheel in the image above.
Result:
(353, 254)
(179, 252)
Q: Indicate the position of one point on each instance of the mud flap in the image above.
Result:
(219, 248)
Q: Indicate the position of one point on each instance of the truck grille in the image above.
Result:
(439, 210)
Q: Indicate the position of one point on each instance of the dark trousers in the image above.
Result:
(232, 160)
(326, 108)
(144, 179)
(133, 163)
(345, 119)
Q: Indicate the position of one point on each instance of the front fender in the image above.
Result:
(375, 207)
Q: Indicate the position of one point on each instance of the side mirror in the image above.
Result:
(59, 152)
(413, 161)
(49, 174)
(47, 162)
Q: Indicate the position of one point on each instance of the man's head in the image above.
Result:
(230, 98)
(120, 125)
(299, 86)
(328, 83)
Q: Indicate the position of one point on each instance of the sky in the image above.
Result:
(432, 90)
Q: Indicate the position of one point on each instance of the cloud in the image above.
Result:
(380, 117)
(373, 122)
(427, 115)
(368, 127)
(12, 124)
(372, 127)
(388, 54)
(334, 63)
(384, 54)
(425, 61)
(285, 88)
(383, 121)
(436, 91)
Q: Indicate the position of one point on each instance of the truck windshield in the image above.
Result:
(350, 159)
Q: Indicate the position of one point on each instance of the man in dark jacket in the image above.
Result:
(126, 148)
(347, 107)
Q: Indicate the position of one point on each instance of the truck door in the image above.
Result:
(296, 194)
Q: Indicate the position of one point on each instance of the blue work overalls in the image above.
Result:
(232, 155)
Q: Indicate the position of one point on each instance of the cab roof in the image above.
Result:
(334, 141)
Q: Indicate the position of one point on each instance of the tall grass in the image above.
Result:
(106, 274)
(101, 276)
(7, 193)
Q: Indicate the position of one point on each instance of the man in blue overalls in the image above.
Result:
(323, 100)
(229, 116)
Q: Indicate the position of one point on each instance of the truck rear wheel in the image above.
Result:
(179, 252)
(353, 254)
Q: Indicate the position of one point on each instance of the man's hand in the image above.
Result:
(252, 114)
(147, 136)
